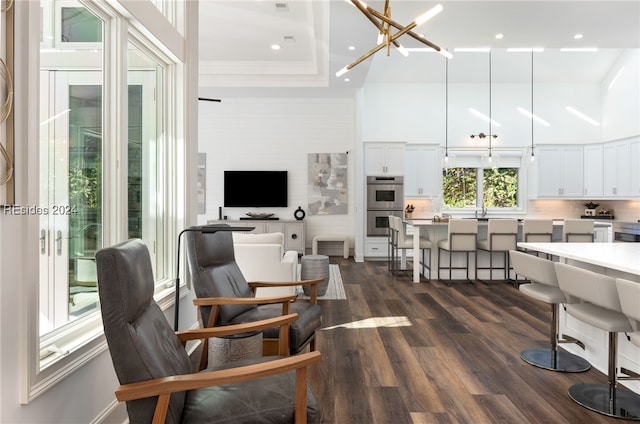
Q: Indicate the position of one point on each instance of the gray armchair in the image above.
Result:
(155, 371)
(224, 297)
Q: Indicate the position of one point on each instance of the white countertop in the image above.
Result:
(623, 257)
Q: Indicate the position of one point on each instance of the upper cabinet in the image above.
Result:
(634, 157)
(560, 171)
(593, 170)
(422, 171)
(621, 178)
(384, 159)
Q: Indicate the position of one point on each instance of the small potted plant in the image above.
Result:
(591, 208)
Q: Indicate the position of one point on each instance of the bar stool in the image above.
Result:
(544, 287)
(537, 231)
(392, 241)
(599, 307)
(502, 236)
(629, 295)
(461, 238)
(405, 241)
(578, 231)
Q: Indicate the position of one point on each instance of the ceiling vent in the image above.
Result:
(289, 39)
(282, 7)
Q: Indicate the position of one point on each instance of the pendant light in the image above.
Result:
(481, 135)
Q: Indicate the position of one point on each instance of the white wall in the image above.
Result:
(621, 100)
(415, 113)
(277, 134)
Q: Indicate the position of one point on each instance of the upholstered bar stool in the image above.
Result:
(537, 231)
(544, 287)
(405, 241)
(599, 307)
(502, 236)
(392, 242)
(462, 235)
(578, 231)
(629, 295)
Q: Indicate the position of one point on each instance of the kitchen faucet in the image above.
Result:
(483, 210)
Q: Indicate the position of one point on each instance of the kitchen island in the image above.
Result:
(620, 260)
(436, 231)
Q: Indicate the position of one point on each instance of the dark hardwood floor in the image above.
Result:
(399, 352)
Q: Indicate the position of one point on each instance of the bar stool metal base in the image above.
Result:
(563, 361)
(623, 403)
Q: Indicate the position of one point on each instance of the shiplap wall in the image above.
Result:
(277, 134)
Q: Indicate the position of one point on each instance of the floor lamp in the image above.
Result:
(205, 229)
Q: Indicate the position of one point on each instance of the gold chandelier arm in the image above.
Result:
(366, 56)
(368, 14)
(398, 26)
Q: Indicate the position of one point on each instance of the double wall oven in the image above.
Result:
(385, 196)
(626, 232)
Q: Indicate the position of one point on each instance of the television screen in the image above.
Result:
(258, 189)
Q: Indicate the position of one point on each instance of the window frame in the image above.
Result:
(81, 340)
(480, 161)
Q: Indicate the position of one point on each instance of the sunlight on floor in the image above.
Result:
(375, 322)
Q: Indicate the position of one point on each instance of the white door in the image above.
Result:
(71, 187)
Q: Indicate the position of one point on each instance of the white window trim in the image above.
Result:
(80, 341)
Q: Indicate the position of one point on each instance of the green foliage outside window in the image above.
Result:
(499, 187)
(459, 187)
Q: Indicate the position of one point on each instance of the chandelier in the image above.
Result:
(385, 25)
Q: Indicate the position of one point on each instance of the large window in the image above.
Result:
(103, 157)
(480, 187)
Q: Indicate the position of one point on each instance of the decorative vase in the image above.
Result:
(299, 214)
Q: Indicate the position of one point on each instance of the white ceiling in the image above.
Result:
(236, 35)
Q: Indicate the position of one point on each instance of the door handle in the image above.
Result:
(59, 243)
(43, 242)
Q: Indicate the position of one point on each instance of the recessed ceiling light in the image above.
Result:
(275, 47)
(577, 36)
(347, 79)
(499, 36)
(352, 47)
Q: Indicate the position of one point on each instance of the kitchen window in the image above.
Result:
(470, 187)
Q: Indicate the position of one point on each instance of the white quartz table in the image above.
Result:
(613, 258)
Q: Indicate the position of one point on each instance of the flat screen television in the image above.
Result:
(259, 189)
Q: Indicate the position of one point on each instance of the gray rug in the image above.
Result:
(335, 289)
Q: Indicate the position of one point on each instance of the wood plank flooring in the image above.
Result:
(398, 352)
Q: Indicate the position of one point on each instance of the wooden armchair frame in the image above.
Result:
(279, 346)
(164, 387)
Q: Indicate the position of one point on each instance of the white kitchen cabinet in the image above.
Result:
(560, 171)
(602, 234)
(422, 171)
(617, 169)
(384, 159)
(593, 171)
(634, 173)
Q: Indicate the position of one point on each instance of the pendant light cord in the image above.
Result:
(532, 103)
(446, 108)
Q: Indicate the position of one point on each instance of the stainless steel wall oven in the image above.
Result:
(385, 196)
(626, 232)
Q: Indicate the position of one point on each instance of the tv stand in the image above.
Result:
(294, 231)
(248, 218)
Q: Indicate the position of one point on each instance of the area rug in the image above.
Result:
(335, 290)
